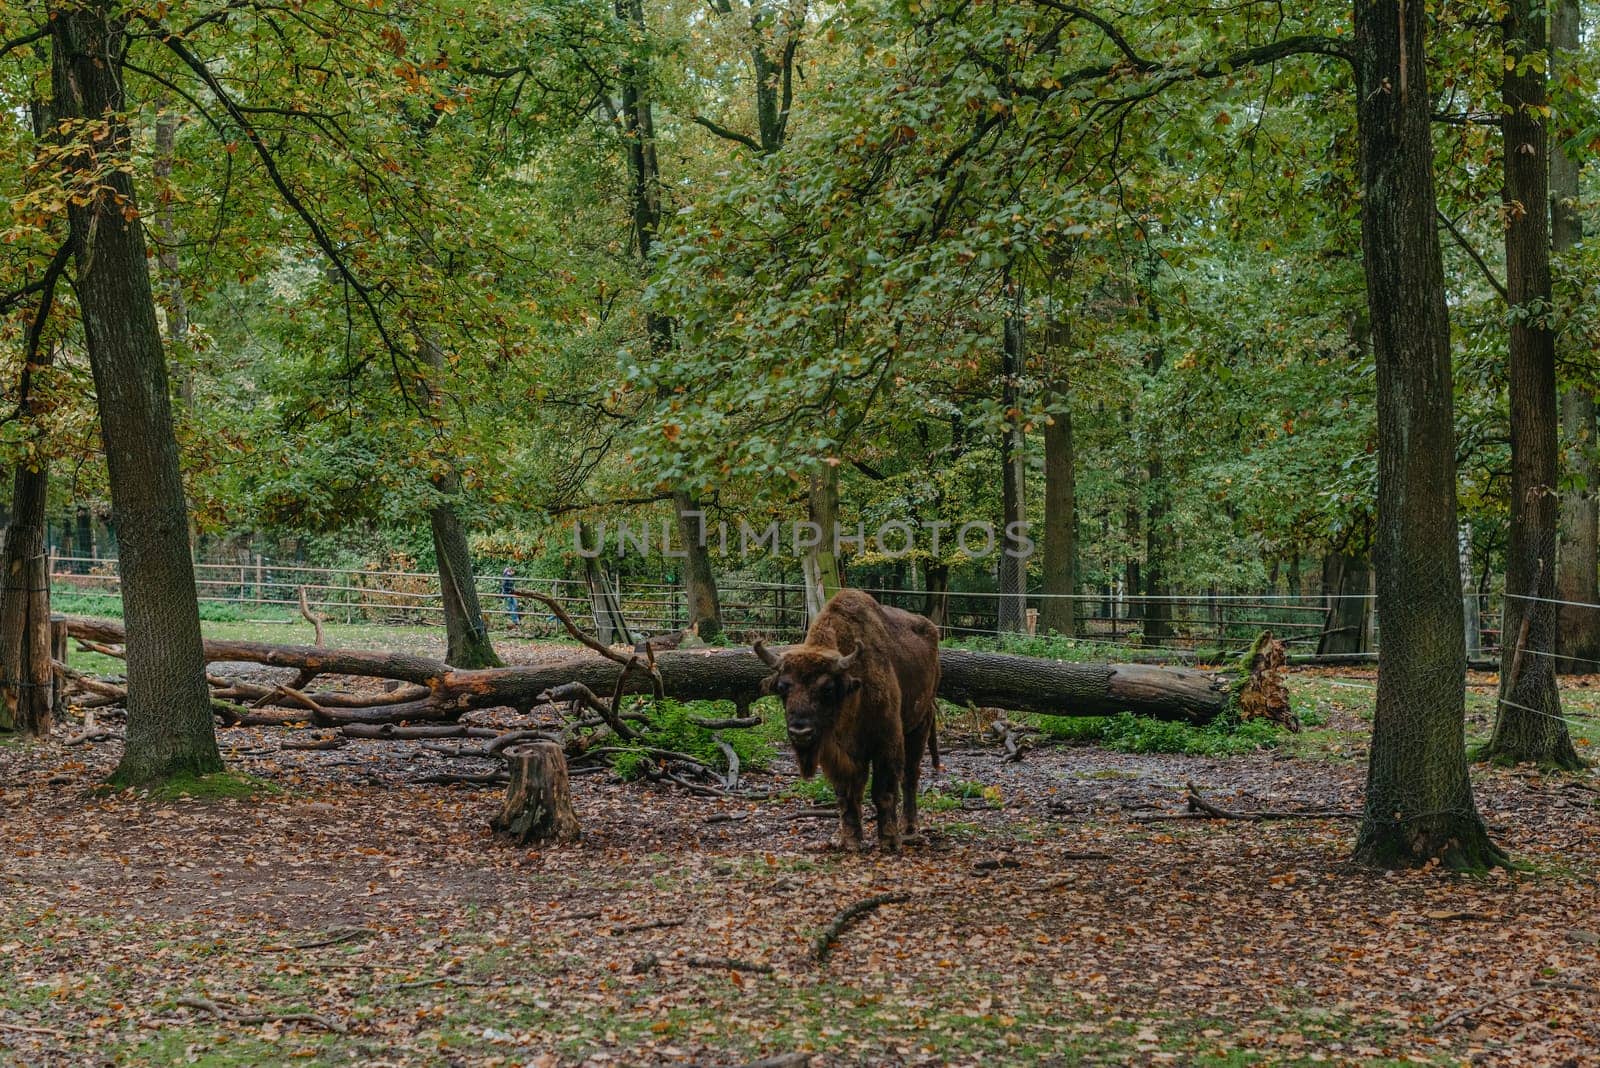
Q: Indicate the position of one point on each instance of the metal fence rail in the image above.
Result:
(1211, 621)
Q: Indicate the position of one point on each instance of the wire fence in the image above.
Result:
(1215, 621)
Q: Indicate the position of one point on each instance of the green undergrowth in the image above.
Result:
(1127, 733)
(671, 727)
(1053, 646)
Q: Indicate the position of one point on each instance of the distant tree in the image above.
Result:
(1528, 721)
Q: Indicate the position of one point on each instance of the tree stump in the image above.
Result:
(538, 803)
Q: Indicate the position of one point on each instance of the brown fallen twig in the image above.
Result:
(731, 780)
(826, 940)
(462, 778)
(315, 744)
(92, 734)
(651, 925)
(251, 1018)
(729, 964)
(6, 1025)
(436, 980)
(726, 724)
(1201, 809)
(1532, 988)
(816, 812)
(336, 937)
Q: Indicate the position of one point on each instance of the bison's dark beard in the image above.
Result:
(808, 758)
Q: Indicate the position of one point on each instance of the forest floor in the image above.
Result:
(1048, 919)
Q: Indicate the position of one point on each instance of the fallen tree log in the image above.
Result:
(441, 693)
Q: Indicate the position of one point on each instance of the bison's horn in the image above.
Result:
(845, 661)
(768, 657)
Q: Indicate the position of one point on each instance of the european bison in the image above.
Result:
(858, 695)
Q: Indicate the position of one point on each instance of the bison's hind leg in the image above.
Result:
(912, 777)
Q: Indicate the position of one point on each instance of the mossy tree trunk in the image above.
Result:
(170, 731)
(1419, 804)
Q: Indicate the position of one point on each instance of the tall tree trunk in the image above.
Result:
(936, 604)
(1012, 571)
(1131, 581)
(170, 729)
(1528, 725)
(699, 583)
(1347, 591)
(26, 681)
(467, 642)
(1058, 612)
(824, 577)
(1578, 567)
(1157, 612)
(1157, 609)
(644, 168)
(86, 545)
(1419, 802)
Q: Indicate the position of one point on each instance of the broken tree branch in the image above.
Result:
(825, 941)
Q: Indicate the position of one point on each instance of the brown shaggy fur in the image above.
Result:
(858, 696)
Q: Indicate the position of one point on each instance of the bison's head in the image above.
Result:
(814, 685)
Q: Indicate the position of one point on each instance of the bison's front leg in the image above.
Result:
(887, 773)
(850, 793)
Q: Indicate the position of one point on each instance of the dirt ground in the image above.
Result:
(1046, 920)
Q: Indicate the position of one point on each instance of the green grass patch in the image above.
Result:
(817, 790)
(221, 785)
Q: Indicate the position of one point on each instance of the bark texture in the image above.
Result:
(170, 731)
(1419, 803)
(1528, 724)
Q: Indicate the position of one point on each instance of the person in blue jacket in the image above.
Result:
(508, 590)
